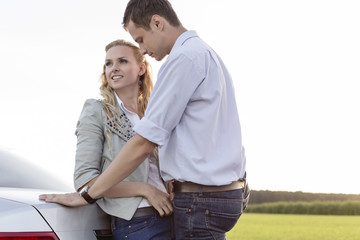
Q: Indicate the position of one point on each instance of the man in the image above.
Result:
(192, 117)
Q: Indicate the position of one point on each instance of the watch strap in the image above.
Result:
(84, 193)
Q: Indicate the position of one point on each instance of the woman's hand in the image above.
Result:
(158, 199)
(67, 199)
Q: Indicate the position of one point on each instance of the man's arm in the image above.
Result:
(126, 161)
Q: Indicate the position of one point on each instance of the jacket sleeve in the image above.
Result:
(90, 140)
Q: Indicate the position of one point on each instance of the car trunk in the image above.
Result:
(68, 223)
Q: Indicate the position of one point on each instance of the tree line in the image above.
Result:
(303, 203)
(265, 196)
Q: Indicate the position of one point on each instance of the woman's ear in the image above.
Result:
(142, 69)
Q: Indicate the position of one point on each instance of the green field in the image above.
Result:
(252, 226)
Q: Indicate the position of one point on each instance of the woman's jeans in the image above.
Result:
(149, 227)
(208, 215)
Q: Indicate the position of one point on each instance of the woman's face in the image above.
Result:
(122, 70)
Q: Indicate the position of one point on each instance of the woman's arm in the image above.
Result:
(90, 143)
(158, 199)
(132, 189)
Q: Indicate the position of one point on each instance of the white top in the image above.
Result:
(192, 116)
(154, 173)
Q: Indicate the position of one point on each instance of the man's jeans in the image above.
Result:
(208, 215)
(149, 227)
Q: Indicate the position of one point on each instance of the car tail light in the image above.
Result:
(28, 236)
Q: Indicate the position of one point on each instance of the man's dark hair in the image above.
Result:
(141, 11)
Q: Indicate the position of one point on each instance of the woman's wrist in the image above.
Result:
(146, 189)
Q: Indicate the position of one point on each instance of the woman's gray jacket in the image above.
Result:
(94, 154)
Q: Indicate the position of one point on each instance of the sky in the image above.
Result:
(295, 67)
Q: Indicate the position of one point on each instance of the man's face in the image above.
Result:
(150, 42)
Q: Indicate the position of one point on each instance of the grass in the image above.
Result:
(252, 226)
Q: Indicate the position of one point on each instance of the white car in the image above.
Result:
(23, 216)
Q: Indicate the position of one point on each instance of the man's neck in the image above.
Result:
(174, 34)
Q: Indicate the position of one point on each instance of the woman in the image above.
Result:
(103, 128)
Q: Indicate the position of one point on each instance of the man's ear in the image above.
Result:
(157, 22)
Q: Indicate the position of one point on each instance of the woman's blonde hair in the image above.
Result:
(145, 86)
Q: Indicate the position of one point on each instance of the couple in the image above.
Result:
(191, 122)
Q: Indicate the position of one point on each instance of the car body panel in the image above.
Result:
(21, 206)
(81, 219)
(25, 216)
(22, 211)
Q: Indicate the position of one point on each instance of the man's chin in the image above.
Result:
(159, 58)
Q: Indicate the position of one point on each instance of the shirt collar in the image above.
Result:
(121, 104)
(183, 37)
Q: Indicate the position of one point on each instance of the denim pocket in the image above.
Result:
(221, 221)
(182, 212)
(135, 225)
(222, 212)
(182, 205)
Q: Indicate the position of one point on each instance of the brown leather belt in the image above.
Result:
(145, 211)
(189, 187)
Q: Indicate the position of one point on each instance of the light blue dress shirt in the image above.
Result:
(193, 118)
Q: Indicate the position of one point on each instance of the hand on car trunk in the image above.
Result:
(67, 199)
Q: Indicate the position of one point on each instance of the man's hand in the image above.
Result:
(67, 199)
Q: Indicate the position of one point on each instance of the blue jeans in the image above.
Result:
(149, 227)
(208, 215)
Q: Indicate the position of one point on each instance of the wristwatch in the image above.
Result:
(84, 193)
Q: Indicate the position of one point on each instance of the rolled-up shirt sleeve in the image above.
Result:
(148, 128)
(177, 80)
